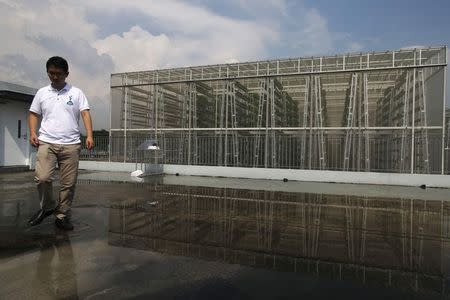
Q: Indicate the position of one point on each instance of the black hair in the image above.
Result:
(58, 62)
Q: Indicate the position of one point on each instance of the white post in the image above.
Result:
(268, 98)
(190, 85)
(125, 121)
(413, 118)
(110, 125)
(156, 99)
(227, 96)
(443, 118)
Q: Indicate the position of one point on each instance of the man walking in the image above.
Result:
(59, 106)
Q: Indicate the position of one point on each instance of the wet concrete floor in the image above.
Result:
(173, 237)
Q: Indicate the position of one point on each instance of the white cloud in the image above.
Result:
(263, 6)
(184, 18)
(413, 47)
(34, 32)
(197, 36)
(354, 47)
(310, 34)
(316, 38)
(136, 49)
(182, 34)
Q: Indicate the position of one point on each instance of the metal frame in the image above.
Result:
(292, 113)
(397, 59)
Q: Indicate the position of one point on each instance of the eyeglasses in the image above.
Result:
(56, 74)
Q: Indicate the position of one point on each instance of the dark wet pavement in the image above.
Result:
(165, 239)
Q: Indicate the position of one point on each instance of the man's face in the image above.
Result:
(57, 76)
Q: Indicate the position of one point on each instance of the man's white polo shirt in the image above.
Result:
(60, 111)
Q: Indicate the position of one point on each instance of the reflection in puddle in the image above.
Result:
(398, 243)
(56, 280)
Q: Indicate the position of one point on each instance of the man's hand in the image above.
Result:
(86, 116)
(89, 143)
(33, 121)
(34, 140)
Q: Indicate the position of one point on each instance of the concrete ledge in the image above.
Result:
(14, 169)
(107, 166)
(120, 167)
(439, 181)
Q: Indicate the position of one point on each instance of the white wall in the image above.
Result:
(14, 150)
(441, 181)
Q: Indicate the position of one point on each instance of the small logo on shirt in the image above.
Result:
(70, 101)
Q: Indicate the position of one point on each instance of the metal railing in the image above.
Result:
(290, 152)
(100, 151)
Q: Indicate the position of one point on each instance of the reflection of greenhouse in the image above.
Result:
(381, 111)
(400, 243)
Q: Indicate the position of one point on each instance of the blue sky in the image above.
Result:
(100, 37)
(373, 25)
(391, 24)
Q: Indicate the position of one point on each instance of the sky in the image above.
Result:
(100, 37)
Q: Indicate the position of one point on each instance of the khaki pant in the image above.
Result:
(67, 157)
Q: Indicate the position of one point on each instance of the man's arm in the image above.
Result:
(87, 120)
(33, 121)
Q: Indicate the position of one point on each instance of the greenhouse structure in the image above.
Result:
(367, 112)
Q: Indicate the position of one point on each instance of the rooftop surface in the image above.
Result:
(171, 237)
